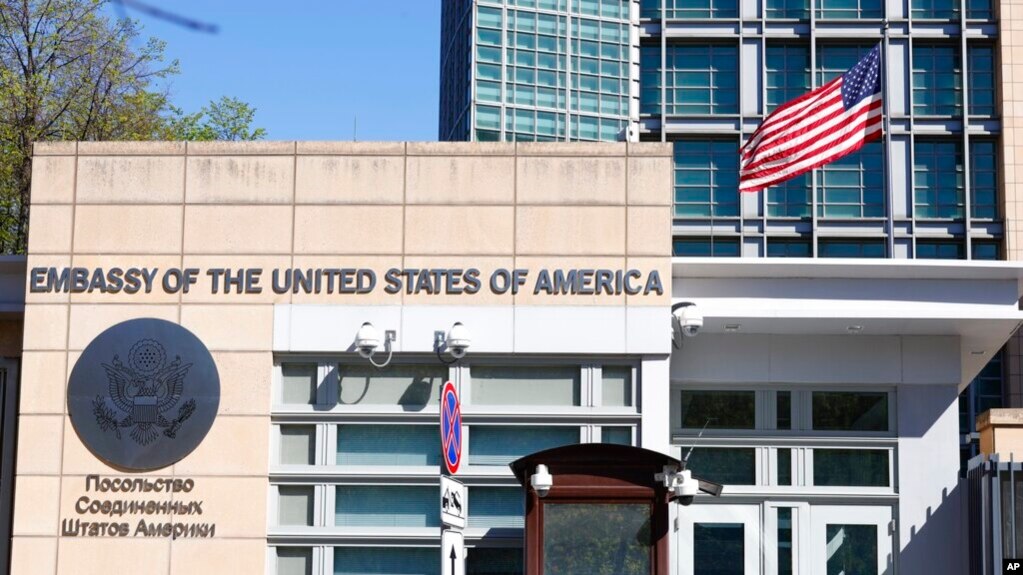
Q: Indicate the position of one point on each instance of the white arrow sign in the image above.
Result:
(452, 552)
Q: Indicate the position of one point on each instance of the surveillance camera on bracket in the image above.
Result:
(686, 321)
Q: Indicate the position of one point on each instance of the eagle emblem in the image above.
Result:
(142, 392)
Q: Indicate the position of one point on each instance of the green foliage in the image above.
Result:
(68, 72)
(597, 539)
(224, 119)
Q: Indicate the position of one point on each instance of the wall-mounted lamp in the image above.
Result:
(367, 340)
(542, 480)
(456, 341)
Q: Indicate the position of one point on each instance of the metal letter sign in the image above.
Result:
(450, 428)
(452, 553)
(453, 502)
(143, 394)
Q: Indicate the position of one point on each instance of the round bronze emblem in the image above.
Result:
(143, 394)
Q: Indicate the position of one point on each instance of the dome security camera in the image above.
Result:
(458, 340)
(686, 487)
(541, 481)
(367, 340)
(689, 319)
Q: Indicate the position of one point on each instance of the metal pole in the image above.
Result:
(887, 126)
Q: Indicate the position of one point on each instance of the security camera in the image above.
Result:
(367, 340)
(683, 486)
(689, 319)
(542, 481)
(686, 487)
(458, 340)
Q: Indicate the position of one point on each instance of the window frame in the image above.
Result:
(801, 405)
(326, 415)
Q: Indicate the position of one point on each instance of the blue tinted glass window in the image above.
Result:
(938, 179)
(502, 444)
(788, 249)
(496, 507)
(978, 9)
(935, 9)
(853, 186)
(650, 80)
(851, 249)
(788, 73)
(983, 179)
(788, 9)
(983, 393)
(616, 435)
(388, 445)
(790, 199)
(386, 506)
(986, 250)
(689, 9)
(836, 59)
(940, 250)
(982, 79)
(851, 467)
(488, 91)
(850, 9)
(385, 561)
(706, 247)
(488, 17)
(937, 80)
(488, 117)
(706, 178)
(729, 466)
(494, 561)
(699, 79)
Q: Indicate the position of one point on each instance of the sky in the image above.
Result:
(310, 67)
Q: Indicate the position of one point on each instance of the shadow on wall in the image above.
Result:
(939, 546)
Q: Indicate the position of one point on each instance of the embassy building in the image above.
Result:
(703, 74)
(233, 354)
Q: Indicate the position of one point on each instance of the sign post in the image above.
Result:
(454, 502)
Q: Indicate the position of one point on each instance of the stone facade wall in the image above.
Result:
(280, 205)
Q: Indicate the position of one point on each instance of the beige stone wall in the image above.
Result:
(1001, 432)
(1010, 54)
(282, 204)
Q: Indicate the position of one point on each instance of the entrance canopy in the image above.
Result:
(977, 302)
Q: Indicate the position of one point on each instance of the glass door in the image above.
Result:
(719, 540)
(851, 540)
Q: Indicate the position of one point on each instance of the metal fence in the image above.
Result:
(995, 512)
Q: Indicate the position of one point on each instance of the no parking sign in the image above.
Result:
(450, 428)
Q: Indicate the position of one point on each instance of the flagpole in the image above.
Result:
(887, 127)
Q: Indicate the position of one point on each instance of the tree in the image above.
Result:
(224, 119)
(68, 72)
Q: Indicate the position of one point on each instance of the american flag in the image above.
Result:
(816, 128)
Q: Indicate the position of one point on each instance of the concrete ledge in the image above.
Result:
(1000, 417)
(258, 148)
(350, 148)
(54, 148)
(588, 149)
(650, 149)
(460, 149)
(131, 148)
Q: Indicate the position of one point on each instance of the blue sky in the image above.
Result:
(311, 66)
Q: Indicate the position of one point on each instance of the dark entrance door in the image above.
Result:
(604, 514)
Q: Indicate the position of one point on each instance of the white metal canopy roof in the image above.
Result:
(977, 301)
